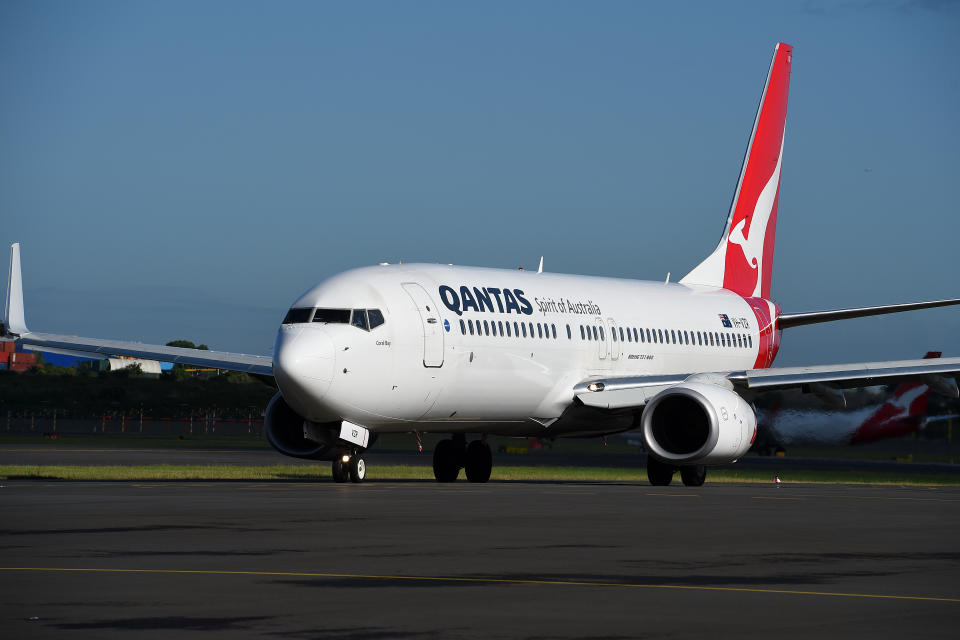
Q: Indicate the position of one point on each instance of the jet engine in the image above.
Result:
(695, 423)
(291, 435)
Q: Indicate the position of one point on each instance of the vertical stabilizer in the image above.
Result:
(13, 317)
(743, 260)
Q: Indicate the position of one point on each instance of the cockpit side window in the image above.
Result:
(297, 316)
(359, 319)
(376, 318)
(332, 316)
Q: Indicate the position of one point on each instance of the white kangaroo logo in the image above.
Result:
(752, 242)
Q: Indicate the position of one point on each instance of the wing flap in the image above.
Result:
(94, 347)
(846, 376)
(635, 391)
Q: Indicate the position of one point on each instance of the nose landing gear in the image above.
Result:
(349, 466)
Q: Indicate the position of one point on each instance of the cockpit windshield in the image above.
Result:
(365, 319)
(332, 316)
(297, 316)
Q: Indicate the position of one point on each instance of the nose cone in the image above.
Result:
(303, 365)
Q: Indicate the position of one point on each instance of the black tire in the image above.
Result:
(446, 461)
(358, 468)
(660, 474)
(693, 476)
(479, 461)
(340, 471)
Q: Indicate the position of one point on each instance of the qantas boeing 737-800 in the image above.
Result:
(464, 350)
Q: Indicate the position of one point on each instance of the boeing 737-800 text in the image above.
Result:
(462, 350)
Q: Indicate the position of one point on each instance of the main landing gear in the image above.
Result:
(660, 474)
(454, 454)
(349, 466)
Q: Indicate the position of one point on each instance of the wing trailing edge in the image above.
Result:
(15, 326)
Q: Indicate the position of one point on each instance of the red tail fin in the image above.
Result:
(743, 260)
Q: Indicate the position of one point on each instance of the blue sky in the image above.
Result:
(187, 169)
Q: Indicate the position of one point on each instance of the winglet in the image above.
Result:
(13, 317)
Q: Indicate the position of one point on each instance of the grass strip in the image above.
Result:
(321, 472)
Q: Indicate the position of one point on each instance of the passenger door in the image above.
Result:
(430, 319)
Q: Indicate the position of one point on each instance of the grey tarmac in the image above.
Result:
(500, 560)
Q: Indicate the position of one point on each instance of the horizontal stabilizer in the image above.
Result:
(787, 320)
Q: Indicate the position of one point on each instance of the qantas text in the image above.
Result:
(485, 299)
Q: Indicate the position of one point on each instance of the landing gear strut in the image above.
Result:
(453, 454)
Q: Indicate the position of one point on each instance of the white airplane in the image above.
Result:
(465, 350)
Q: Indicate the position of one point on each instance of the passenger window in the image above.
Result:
(516, 329)
(569, 334)
(629, 336)
(553, 331)
(359, 319)
(486, 328)
(463, 327)
(582, 336)
(539, 331)
(470, 324)
(589, 335)
(602, 337)
(493, 327)
(524, 327)
(621, 333)
(500, 326)
(613, 335)
(508, 329)
(750, 342)
(376, 318)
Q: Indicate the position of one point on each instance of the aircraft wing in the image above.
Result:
(14, 325)
(93, 348)
(634, 391)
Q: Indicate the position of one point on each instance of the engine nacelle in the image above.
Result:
(291, 435)
(698, 423)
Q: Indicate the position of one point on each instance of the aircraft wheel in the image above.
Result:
(340, 471)
(446, 461)
(479, 462)
(693, 476)
(660, 474)
(357, 468)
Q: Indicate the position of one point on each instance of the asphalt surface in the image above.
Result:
(500, 560)
(92, 454)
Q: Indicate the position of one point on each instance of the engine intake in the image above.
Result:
(291, 435)
(698, 423)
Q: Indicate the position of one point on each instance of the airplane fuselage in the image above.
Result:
(499, 351)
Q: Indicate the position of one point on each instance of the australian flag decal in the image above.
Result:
(725, 319)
